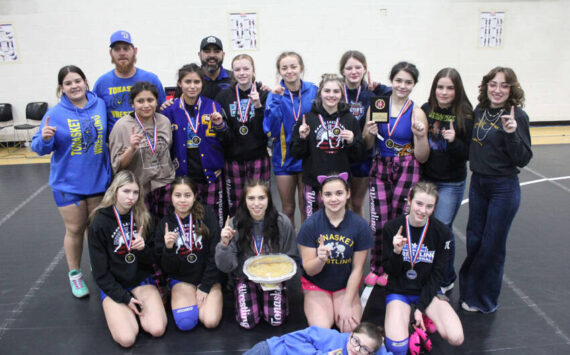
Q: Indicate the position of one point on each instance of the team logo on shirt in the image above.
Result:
(180, 244)
(425, 256)
(86, 134)
(327, 140)
(243, 105)
(340, 247)
(119, 245)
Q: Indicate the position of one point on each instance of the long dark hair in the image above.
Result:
(244, 223)
(197, 209)
(185, 70)
(461, 107)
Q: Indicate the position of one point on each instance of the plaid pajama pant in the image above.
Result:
(236, 174)
(248, 310)
(391, 178)
(312, 201)
(212, 195)
(157, 202)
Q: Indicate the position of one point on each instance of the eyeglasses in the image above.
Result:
(494, 84)
(361, 349)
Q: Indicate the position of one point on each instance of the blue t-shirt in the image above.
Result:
(352, 234)
(115, 92)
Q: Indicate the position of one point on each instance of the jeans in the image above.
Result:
(261, 348)
(493, 204)
(448, 203)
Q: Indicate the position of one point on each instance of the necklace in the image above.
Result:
(491, 119)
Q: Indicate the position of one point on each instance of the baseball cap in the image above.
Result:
(211, 40)
(120, 36)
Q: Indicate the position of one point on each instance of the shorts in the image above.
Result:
(63, 199)
(361, 169)
(409, 299)
(307, 285)
(148, 281)
(172, 282)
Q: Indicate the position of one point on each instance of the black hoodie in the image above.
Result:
(107, 251)
(322, 153)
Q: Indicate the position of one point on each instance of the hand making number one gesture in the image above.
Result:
(323, 252)
(399, 241)
(227, 233)
(449, 134)
(509, 122)
(304, 129)
(48, 131)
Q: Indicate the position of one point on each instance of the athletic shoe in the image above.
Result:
(382, 280)
(371, 279)
(78, 286)
(428, 323)
(419, 342)
(468, 308)
(446, 289)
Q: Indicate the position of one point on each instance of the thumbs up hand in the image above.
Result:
(304, 129)
(449, 134)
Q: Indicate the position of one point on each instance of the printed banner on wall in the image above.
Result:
(491, 31)
(243, 30)
(8, 51)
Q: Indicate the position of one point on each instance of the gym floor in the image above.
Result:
(38, 314)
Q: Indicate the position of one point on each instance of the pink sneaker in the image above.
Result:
(382, 280)
(371, 279)
(419, 341)
(430, 327)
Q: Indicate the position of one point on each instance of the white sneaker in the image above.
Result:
(468, 308)
(446, 289)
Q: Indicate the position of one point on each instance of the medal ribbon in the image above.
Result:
(404, 108)
(196, 112)
(243, 119)
(187, 238)
(324, 125)
(128, 241)
(357, 94)
(420, 242)
(152, 145)
(260, 249)
(298, 115)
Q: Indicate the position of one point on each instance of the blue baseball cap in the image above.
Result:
(121, 36)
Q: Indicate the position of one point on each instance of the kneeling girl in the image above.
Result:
(186, 240)
(122, 262)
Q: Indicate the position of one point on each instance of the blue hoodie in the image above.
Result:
(312, 340)
(279, 122)
(80, 160)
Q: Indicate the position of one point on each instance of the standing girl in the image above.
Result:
(500, 146)
(415, 257)
(122, 262)
(450, 121)
(257, 229)
(357, 93)
(285, 106)
(140, 142)
(186, 240)
(334, 244)
(244, 142)
(400, 145)
(75, 130)
(327, 139)
(197, 152)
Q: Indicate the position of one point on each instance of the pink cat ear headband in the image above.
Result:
(322, 178)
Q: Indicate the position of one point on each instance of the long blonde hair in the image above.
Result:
(140, 213)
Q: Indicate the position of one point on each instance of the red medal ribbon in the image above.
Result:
(196, 112)
(260, 249)
(243, 118)
(357, 94)
(128, 241)
(420, 242)
(151, 144)
(298, 115)
(186, 238)
(404, 108)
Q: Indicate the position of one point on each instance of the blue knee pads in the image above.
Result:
(397, 347)
(186, 318)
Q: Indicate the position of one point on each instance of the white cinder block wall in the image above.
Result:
(430, 33)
